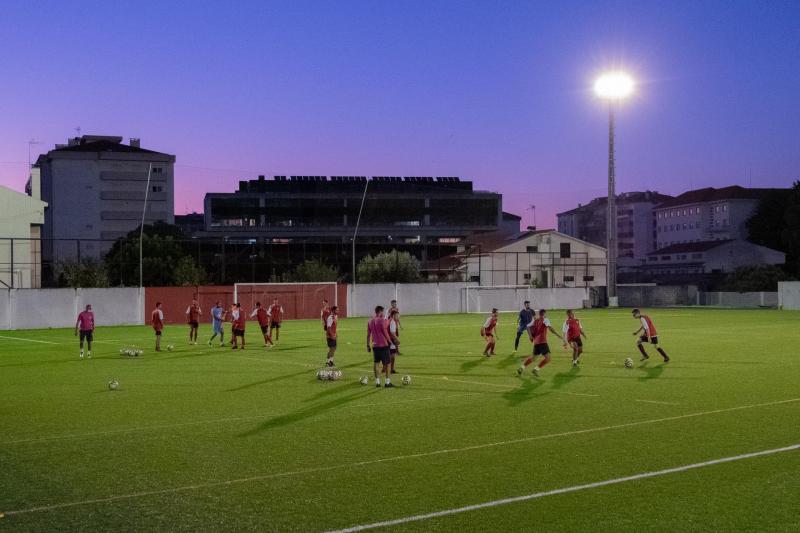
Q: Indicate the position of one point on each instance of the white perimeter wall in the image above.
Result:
(59, 308)
(430, 298)
(789, 294)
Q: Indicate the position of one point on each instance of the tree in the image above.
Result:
(388, 267)
(162, 249)
(313, 270)
(776, 224)
(756, 278)
(82, 274)
(188, 273)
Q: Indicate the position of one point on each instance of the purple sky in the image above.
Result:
(499, 93)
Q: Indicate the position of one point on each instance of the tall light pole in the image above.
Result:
(613, 87)
(355, 234)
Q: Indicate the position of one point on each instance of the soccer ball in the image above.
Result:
(320, 374)
(364, 380)
(628, 363)
(113, 384)
(337, 374)
(170, 347)
(406, 380)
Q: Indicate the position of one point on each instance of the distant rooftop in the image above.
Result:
(691, 247)
(102, 143)
(622, 198)
(320, 184)
(710, 194)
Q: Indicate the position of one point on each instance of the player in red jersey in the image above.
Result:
(157, 319)
(331, 323)
(263, 322)
(394, 332)
(378, 343)
(275, 312)
(649, 334)
(488, 332)
(239, 321)
(193, 313)
(85, 325)
(537, 331)
(324, 314)
(573, 331)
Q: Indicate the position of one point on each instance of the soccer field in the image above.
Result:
(211, 439)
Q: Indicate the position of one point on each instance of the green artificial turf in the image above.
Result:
(210, 439)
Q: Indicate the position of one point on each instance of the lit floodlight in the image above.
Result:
(614, 86)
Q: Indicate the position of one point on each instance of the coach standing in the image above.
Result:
(85, 326)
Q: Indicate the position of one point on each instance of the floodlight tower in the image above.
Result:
(612, 87)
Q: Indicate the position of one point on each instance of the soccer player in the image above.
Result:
(217, 318)
(157, 319)
(488, 332)
(525, 318)
(193, 313)
(394, 331)
(378, 343)
(239, 321)
(537, 331)
(275, 313)
(263, 321)
(572, 331)
(85, 325)
(330, 333)
(393, 308)
(649, 334)
(324, 314)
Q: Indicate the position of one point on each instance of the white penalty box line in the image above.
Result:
(565, 490)
(432, 453)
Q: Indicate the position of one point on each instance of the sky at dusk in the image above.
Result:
(495, 92)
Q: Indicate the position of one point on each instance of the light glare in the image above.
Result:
(614, 86)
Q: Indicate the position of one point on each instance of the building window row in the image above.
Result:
(672, 213)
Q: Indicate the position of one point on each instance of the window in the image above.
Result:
(716, 209)
(157, 170)
(666, 257)
(724, 208)
(532, 249)
(569, 278)
(588, 278)
(652, 258)
(566, 250)
(659, 215)
(449, 240)
(158, 188)
(684, 212)
(684, 225)
(698, 211)
(526, 276)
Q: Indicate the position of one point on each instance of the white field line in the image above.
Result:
(28, 340)
(657, 402)
(506, 387)
(396, 458)
(566, 490)
(576, 393)
(265, 360)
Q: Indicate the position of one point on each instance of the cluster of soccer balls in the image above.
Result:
(131, 351)
(329, 374)
(365, 380)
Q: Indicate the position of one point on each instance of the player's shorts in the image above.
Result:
(331, 342)
(238, 332)
(194, 323)
(264, 330)
(158, 333)
(541, 349)
(653, 340)
(489, 335)
(217, 326)
(577, 341)
(275, 325)
(521, 329)
(393, 350)
(380, 354)
(86, 335)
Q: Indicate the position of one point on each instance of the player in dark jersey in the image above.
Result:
(649, 335)
(525, 318)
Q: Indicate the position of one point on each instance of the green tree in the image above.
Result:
(162, 249)
(313, 270)
(82, 274)
(189, 273)
(776, 224)
(756, 278)
(388, 267)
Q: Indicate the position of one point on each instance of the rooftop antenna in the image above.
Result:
(31, 142)
(533, 208)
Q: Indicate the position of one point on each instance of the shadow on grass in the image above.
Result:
(331, 389)
(467, 366)
(299, 347)
(306, 412)
(651, 372)
(565, 378)
(265, 381)
(523, 393)
(511, 360)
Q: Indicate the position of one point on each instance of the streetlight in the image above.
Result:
(613, 87)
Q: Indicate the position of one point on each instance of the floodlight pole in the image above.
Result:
(141, 228)
(611, 225)
(355, 234)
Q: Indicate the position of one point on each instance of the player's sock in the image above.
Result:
(542, 363)
(89, 354)
(660, 350)
(644, 353)
(528, 361)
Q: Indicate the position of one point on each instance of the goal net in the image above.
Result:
(299, 300)
(506, 298)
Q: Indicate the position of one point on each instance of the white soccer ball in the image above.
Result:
(406, 380)
(170, 347)
(113, 384)
(337, 374)
(628, 363)
(364, 380)
(320, 374)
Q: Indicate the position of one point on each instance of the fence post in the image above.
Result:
(12, 263)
